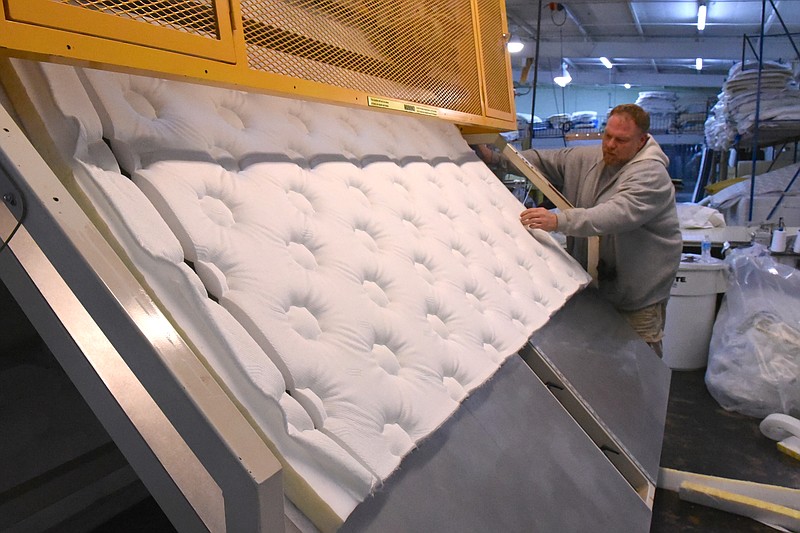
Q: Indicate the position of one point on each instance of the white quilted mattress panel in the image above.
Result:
(365, 270)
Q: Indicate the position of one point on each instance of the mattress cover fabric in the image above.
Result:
(772, 193)
(584, 119)
(349, 275)
(774, 88)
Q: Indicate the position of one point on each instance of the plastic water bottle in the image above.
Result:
(705, 249)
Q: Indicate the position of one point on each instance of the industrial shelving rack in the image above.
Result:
(774, 133)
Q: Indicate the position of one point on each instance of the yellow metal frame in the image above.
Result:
(493, 35)
(70, 18)
(56, 31)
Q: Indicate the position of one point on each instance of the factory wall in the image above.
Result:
(552, 99)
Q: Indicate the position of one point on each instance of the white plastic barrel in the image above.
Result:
(691, 311)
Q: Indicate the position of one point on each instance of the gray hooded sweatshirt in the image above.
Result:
(633, 210)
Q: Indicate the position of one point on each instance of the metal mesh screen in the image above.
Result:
(414, 50)
(190, 16)
(444, 55)
(493, 45)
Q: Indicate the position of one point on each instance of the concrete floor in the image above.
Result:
(703, 438)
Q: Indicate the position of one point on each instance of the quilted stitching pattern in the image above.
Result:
(368, 260)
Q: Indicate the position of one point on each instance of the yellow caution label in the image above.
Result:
(385, 103)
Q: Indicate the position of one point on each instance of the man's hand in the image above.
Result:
(539, 218)
(487, 154)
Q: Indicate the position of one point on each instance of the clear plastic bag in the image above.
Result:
(754, 355)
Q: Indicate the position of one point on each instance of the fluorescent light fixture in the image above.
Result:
(565, 78)
(606, 62)
(701, 17)
(515, 46)
(627, 85)
(698, 63)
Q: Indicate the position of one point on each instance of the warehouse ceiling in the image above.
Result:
(649, 43)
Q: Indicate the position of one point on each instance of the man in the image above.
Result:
(622, 192)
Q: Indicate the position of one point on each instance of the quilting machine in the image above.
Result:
(380, 274)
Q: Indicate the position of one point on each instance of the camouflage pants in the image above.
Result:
(649, 323)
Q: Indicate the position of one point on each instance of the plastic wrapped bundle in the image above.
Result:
(662, 108)
(754, 356)
(584, 119)
(559, 121)
(692, 115)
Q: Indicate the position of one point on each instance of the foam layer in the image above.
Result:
(365, 270)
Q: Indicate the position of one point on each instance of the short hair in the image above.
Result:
(639, 116)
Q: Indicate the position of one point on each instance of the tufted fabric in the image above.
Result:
(366, 270)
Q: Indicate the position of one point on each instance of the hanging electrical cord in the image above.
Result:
(555, 91)
(519, 92)
(561, 67)
(535, 81)
(557, 7)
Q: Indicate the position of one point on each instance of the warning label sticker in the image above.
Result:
(385, 103)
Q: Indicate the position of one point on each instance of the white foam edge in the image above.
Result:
(69, 115)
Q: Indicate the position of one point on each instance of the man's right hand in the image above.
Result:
(539, 218)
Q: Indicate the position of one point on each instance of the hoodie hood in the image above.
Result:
(651, 151)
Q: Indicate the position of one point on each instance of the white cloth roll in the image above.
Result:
(778, 241)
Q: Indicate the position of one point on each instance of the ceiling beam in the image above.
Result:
(654, 48)
(641, 79)
(518, 22)
(771, 19)
(577, 23)
(636, 22)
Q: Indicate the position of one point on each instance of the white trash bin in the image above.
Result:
(691, 311)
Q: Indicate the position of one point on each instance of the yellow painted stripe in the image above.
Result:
(790, 450)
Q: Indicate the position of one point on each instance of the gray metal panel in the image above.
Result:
(91, 385)
(177, 427)
(616, 374)
(510, 459)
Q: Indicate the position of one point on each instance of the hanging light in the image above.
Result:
(606, 63)
(565, 78)
(701, 16)
(626, 85)
(698, 63)
(515, 45)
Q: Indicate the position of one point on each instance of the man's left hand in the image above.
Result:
(539, 218)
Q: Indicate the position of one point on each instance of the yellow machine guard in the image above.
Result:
(445, 58)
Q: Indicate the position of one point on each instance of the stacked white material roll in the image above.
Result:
(662, 106)
(734, 113)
